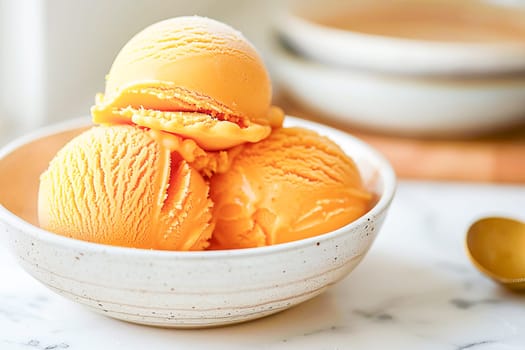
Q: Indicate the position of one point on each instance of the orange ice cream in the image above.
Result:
(125, 186)
(292, 185)
(194, 77)
(190, 153)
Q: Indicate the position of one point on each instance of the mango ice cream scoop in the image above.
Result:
(124, 186)
(191, 154)
(292, 185)
(191, 76)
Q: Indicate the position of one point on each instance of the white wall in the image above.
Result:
(55, 53)
(3, 118)
(22, 63)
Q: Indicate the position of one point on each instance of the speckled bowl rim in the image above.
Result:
(385, 170)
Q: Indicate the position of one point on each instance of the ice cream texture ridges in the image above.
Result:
(190, 154)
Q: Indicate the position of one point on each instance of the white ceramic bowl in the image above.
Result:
(406, 105)
(389, 54)
(181, 289)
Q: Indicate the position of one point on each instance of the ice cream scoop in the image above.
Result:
(190, 147)
(194, 77)
(292, 185)
(125, 186)
(495, 246)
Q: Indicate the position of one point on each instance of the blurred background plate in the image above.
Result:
(431, 37)
(403, 105)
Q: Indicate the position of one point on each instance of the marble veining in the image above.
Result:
(416, 289)
(35, 344)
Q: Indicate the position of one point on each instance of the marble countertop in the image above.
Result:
(415, 290)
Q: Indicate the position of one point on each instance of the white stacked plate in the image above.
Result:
(405, 85)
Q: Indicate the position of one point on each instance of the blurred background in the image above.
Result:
(445, 106)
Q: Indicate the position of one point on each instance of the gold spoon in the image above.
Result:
(496, 246)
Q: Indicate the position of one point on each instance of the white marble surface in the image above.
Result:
(415, 290)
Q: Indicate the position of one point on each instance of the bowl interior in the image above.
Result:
(20, 172)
